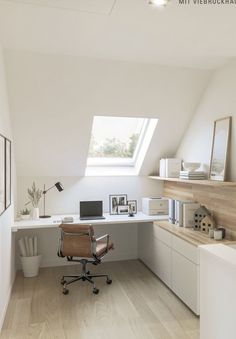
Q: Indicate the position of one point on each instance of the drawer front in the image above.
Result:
(185, 280)
(189, 251)
(162, 235)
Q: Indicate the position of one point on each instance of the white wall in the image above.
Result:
(219, 100)
(87, 188)
(7, 256)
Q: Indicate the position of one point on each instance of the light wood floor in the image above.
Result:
(137, 305)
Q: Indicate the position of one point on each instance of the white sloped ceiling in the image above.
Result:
(53, 99)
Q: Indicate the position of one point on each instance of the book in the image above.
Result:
(188, 213)
(172, 211)
(179, 211)
(162, 169)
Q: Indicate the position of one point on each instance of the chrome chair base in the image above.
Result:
(84, 276)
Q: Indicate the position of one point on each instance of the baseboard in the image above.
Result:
(3, 313)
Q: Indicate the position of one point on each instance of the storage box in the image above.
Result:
(173, 168)
(155, 206)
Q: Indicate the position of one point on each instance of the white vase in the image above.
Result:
(35, 213)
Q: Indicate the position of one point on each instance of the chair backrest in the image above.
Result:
(76, 240)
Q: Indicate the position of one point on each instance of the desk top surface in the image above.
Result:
(56, 220)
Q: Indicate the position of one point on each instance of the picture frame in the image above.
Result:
(123, 209)
(2, 174)
(133, 205)
(219, 151)
(7, 173)
(116, 200)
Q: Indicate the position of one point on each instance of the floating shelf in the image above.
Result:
(197, 182)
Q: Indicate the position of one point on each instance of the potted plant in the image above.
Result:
(25, 214)
(34, 196)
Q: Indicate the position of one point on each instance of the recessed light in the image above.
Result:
(158, 3)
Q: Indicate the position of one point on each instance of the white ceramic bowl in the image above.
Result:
(191, 166)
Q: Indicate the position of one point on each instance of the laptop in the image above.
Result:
(91, 210)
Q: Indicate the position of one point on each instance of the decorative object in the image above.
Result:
(34, 195)
(211, 232)
(220, 149)
(59, 187)
(116, 200)
(199, 214)
(207, 223)
(35, 213)
(2, 174)
(123, 209)
(191, 166)
(132, 206)
(8, 172)
(218, 234)
(223, 231)
(25, 214)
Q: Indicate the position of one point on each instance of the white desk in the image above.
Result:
(56, 220)
(122, 229)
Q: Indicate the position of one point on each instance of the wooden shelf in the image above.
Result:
(197, 182)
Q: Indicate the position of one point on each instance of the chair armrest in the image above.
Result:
(96, 240)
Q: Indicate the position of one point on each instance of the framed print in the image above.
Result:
(123, 209)
(132, 205)
(220, 149)
(116, 200)
(2, 174)
(8, 173)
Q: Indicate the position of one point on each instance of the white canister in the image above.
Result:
(211, 233)
(218, 234)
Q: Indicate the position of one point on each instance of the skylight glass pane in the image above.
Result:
(115, 137)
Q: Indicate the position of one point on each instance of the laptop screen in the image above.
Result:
(91, 209)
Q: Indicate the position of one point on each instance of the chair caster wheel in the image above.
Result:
(88, 272)
(65, 291)
(63, 281)
(95, 291)
(109, 281)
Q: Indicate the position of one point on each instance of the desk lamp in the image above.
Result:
(59, 187)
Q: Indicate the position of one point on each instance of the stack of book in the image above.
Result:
(182, 213)
(192, 175)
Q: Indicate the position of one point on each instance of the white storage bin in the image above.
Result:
(30, 265)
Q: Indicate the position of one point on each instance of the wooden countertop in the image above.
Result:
(195, 238)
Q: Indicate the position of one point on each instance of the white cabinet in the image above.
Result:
(162, 261)
(185, 280)
(173, 260)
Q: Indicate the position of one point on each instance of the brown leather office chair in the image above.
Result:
(78, 244)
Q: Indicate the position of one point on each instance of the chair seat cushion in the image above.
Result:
(101, 248)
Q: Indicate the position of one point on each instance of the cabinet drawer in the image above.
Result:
(183, 247)
(162, 235)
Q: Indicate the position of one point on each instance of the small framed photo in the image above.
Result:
(132, 206)
(116, 200)
(123, 209)
(8, 172)
(2, 174)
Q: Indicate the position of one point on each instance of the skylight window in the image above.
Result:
(118, 142)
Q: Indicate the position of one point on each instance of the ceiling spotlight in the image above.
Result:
(158, 3)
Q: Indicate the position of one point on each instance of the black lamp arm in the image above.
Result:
(45, 191)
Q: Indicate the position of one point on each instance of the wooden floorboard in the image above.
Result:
(136, 305)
